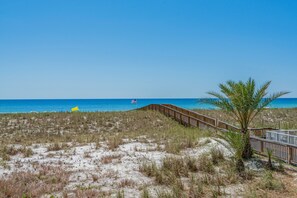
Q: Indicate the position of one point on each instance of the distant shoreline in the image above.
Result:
(111, 105)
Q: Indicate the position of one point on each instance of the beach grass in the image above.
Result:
(166, 158)
(58, 128)
(271, 118)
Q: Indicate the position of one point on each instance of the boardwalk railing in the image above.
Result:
(285, 152)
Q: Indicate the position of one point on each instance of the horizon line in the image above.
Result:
(140, 98)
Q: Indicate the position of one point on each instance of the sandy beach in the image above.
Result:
(123, 154)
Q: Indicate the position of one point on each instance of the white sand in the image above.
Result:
(85, 163)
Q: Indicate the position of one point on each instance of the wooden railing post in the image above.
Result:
(180, 119)
(262, 146)
(289, 156)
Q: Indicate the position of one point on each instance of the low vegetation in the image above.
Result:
(271, 118)
(205, 177)
(7, 151)
(191, 176)
(77, 127)
(175, 161)
(47, 180)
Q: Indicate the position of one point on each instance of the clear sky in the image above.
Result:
(144, 48)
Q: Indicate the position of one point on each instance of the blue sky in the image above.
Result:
(144, 48)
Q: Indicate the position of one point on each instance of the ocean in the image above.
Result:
(93, 105)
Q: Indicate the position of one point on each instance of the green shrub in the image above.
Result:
(270, 183)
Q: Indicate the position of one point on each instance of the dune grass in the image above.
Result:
(274, 118)
(179, 175)
(60, 128)
(201, 176)
(27, 184)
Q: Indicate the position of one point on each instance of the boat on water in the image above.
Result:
(133, 101)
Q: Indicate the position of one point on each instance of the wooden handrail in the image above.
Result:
(282, 151)
(186, 115)
(218, 121)
(273, 142)
(172, 106)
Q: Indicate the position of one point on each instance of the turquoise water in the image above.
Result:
(92, 105)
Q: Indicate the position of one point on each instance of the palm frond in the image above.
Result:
(236, 143)
(242, 99)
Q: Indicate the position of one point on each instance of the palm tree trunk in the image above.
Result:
(247, 150)
(240, 166)
(269, 164)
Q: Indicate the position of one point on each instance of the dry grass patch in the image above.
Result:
(95, 178)
(205, 176)
(120, 194)
(89, 192)
(162, 175)
(180, 138)
(7, 151)
(48, 180)
(4, 164)
(174, 192)
(217, 156)
(127, 183)
(114, 142)
(57, 146)
(196, 188)
(175, 165)
(272, 184)
(205, 164)
(268, 182)
(173, 169)
(109, 158)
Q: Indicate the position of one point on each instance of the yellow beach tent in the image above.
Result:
(74, 109)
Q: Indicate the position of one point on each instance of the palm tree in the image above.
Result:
(243, 101)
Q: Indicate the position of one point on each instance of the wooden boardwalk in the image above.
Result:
(285, 152)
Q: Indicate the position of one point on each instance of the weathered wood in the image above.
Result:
(289, 150)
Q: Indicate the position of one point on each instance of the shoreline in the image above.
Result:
(116, 111)
(111, 105)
